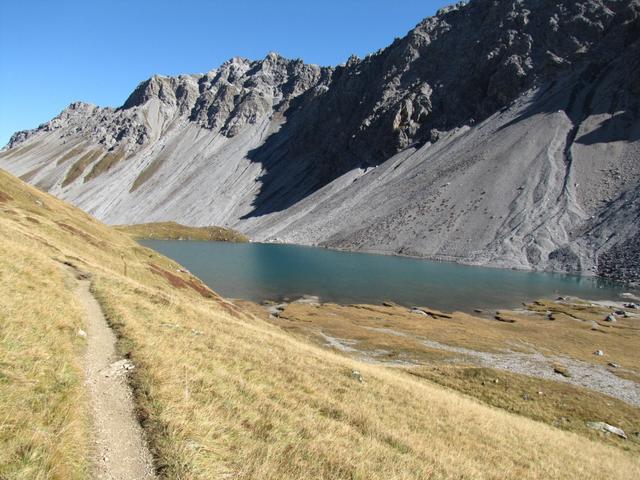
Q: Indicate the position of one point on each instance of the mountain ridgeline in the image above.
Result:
(500, 133)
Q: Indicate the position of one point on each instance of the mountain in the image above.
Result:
(500, 133)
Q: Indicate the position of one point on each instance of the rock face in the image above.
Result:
(496, 132)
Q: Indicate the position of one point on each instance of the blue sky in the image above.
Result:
(56, 52)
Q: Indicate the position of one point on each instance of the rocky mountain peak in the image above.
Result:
(239, 93)
(76, 112)
(242, 92)
(173, 91)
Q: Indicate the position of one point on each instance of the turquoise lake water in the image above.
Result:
(259, 272)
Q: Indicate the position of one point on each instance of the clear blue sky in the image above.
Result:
(56, 52)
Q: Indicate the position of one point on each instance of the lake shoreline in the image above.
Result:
(266, 271)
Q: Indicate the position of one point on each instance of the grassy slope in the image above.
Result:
(569, 335)
(43, 422)
(175, 231)
(220, 392)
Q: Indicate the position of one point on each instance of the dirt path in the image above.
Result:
(120, 451)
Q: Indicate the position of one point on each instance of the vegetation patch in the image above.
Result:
(175, 231)
(80, 165)
(105, 164)
(427, 345)
(562, 405)
(147, 173)
(17, 151)
(501, 317)
(27, 177)
(73, 152)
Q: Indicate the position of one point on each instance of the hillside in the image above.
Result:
(175, 231)
(496, 133)
(220, 392)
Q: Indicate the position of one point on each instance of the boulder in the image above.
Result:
(501, 318)
(561, 370)
(118, 368)
(308, 300)
(605, 427)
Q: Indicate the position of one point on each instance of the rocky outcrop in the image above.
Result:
(503, 133)
(241, 92)
(455, 69)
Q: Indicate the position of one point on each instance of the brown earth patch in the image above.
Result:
(5, 197)
(81, 234)
(196, 285)
(179, 282)
(175, 231)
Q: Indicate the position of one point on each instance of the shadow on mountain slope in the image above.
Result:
(411, 92)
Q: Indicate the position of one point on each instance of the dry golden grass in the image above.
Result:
(243, 398)
(43, 416)
(563, 405)
(569, 334)
(175, 231)
(224, 394)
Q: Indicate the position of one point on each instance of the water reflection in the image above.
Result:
(259, 271)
